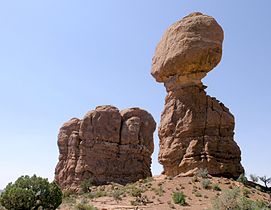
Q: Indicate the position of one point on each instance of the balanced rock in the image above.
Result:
(107, 145)
(196, 130)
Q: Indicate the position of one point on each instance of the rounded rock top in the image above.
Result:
(191, 46)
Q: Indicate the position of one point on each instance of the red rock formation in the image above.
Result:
(105, 146)
(196, 130)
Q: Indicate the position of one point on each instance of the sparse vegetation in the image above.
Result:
(205, 183)
(116, 194)
(232, 199)
(203, 173)
(134, 193)
(195, 179)
(198, 194)
(246, 192)
(159, 191)
(148, 180)
(216, 187)
(69, 197)
(179, 198)
(265, 180)
(242, 178)
(253, 178)
(82, 206)
(133, 190)
(96, 194)
(31, 193)
(142, 200)
(86, 185)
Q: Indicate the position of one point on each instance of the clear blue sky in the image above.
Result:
(59, 59)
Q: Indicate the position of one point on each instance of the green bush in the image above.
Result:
(116, 194)
(178, 198)
(136, 192)
(31, 193)
(85, 185)
(216, 187)
(242, 178)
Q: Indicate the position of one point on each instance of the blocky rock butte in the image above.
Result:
(196, 130)
(107, 145)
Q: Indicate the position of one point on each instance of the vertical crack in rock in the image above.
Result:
(205, 127)
(196, 130)
(104, 146)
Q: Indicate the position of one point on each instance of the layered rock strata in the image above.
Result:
(196, 130)
(107, 145)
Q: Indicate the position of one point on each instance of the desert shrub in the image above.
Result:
(205, 183)
(142, 200)
(96, 194)
(227, 200)
(246, 192)
(233, 199)
(82, 206)
(178, 198)
(263, 205)
(67, 193)
(69, 199)
(116, 194)
(31, 193)
(247, 204)
(133, 190)
(253, 178)
(136, 192)
(148, 179)
(159, 191)
(202, 173)
(86, 185)
(216, 187)
(242, 178)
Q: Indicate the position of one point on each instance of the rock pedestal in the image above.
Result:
(196, 130)
(107, 145)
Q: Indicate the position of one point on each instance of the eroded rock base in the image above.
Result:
(196, 131)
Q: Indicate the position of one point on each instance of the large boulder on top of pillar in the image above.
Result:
(188, 50)
(196, 130)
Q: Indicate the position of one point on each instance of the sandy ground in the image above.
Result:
(156, 194)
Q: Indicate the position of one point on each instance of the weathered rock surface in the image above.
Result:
(188, 50)
(196, 130)
(107, 145)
